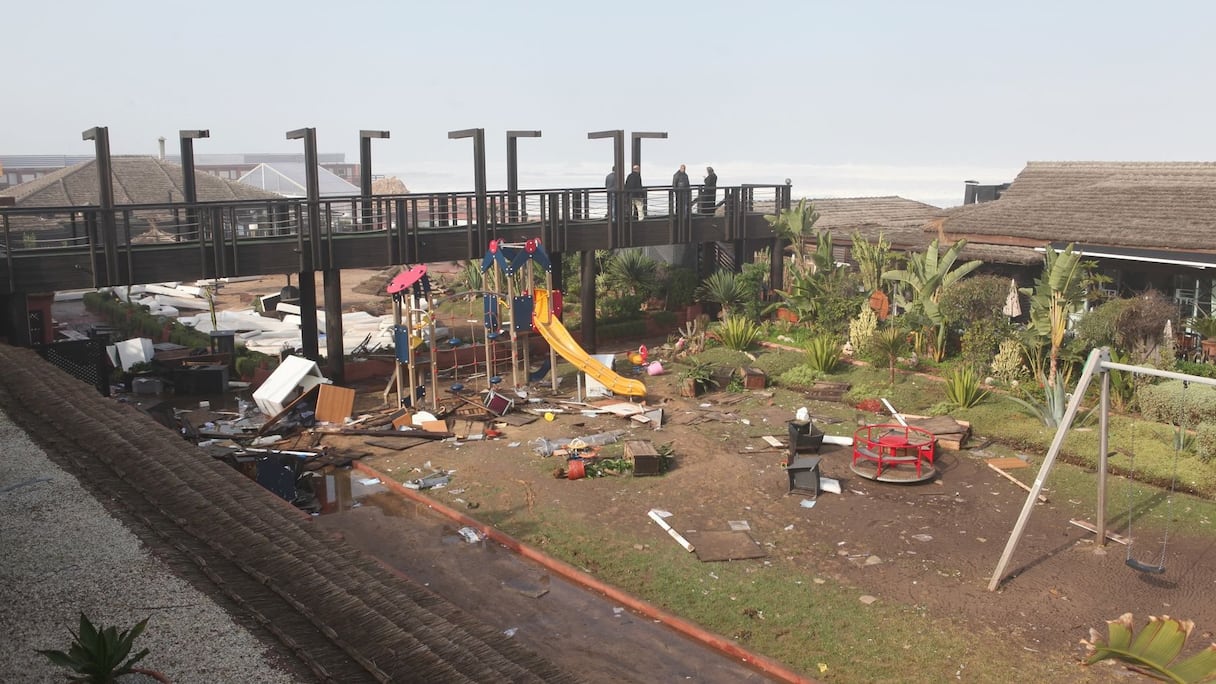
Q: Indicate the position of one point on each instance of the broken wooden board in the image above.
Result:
(395, 444)
(334, 404)
(1016, 481)
(724, 545)
(1008, 463)
(517, 419)
(951, 434)
(622, 409)
(1113, 536)
(773, 441)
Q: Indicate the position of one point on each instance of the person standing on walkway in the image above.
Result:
(610, 186)
(709, 193)
(637, 195)
(683, 192)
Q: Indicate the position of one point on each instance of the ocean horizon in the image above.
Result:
(939, 186)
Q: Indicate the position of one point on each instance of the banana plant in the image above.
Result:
(929, 274)
(1153, 651)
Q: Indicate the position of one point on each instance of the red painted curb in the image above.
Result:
(719, 643)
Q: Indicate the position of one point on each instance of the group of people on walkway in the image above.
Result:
(635, 192)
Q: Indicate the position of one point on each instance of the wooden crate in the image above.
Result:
(646, 461)
(753, 378)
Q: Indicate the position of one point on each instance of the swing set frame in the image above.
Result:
(1098, 363)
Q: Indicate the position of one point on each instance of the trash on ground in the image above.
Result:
(829, 484)
(470, 535)
(807, 503)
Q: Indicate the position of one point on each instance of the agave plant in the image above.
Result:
(737, 333)
(1152, 651)
(963, 388)
(1051, 410)
(99, 656)
(823, 353)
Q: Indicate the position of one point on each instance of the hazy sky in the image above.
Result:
(845, 98)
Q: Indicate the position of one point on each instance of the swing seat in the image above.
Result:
(1145, 567)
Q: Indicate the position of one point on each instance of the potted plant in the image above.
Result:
(1205, 327)
(696, 377)
(100, 655)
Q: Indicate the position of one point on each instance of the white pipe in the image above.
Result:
(894, 413)
(654, 515)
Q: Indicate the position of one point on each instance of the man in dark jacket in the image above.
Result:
(633, 190)
(709, 193)
(610, 186)
(683, 193)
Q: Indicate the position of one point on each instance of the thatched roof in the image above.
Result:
(342, 614)
(136, 180)
(1155, 205)
(389, 186)
(907, 224)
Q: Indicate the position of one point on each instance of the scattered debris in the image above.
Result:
(658, 516)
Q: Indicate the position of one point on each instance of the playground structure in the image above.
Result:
(894, 453)
(508, 277)
(1098, 364)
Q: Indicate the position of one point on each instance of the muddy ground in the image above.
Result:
(931, 545)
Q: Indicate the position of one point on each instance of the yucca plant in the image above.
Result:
(99, 656)
(1152, 651)
(823, 353)
(724, 288)
(737, 333)
(963, 388)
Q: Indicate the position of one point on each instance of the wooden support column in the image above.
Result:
(587, 300)
(336, 361)
(308, 315)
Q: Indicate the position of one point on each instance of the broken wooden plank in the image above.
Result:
(773, 441)
(334, 404)
(1016, 481)
(423, 434)
(395, 445)
(1007, 463)
(1113, 536)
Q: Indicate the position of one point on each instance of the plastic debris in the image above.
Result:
(828, 484)
(470, 535)
(807, 503)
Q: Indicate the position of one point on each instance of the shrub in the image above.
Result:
(620, 308)
(1170, 402)
(737, 332)
(1007, 364)
(680, 286)
(1203, 370)
(799, 376)
(1205, 442)
(963, 388)
(862, 329)
(823, 353)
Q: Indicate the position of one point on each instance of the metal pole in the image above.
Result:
(365, 172)
(479, 181)
(513, 171)
(1103, 451)
(100, 135)
(311, 257)
(617, 200)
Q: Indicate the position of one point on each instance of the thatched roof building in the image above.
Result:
(1146, 211)
(136, 180)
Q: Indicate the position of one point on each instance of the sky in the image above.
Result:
(844, 99)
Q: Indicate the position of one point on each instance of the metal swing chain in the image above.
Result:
(1169, 502)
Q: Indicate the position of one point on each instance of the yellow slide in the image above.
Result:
(559, 338)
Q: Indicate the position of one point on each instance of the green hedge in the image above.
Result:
(1170, 402)
(1205, 442)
